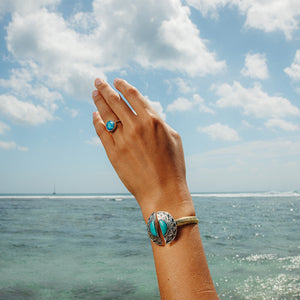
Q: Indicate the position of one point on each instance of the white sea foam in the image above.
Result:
(115, 197)
(259, 257)
(291, 263)
(247, 195)
(120, 197)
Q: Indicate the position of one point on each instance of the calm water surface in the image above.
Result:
(96, 246)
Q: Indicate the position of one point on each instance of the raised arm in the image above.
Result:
(147, 155)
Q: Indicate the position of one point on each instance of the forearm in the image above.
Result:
(181, 266)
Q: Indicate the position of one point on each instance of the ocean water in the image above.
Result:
(96, 247)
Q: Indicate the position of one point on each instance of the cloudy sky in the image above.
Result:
(224, 73)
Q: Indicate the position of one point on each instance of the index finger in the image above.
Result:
(137, 101)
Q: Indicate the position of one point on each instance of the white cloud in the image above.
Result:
(184, 104)
(249, 152)
(54, 53)
(199, 103)
(7, 145)
(3, 128)
(57, 56)
(282, 124)
(24, 6)
(158, 108)
(83, 21)
(257, 165)
(294, 70)
(72, 111)
(11, 146)
(25, 113)
(191, 53)
(220, 132)
(272, 15)
(65, 56)
(180, 104)
(247, 124)
(22, 83)
(183, 86)
(94, 141)
(267, 15)
(160, 36)
(208, 7)
(255, 66)
(254, 101)
(20, 148)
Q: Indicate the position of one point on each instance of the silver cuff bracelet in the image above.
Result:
(162, 227)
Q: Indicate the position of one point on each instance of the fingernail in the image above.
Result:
(98, 81)
(95, 94)
(116, 80)
(95, 115)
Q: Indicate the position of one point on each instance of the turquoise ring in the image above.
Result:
(111, 126)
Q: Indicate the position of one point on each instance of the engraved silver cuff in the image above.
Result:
(162, 227)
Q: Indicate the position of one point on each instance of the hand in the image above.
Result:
(146, 153)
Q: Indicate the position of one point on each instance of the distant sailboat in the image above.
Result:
(54, 191)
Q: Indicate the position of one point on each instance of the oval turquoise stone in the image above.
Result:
(110, 125)
(153, 229)
(163, 226)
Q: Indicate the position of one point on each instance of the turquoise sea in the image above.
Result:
(96, 246)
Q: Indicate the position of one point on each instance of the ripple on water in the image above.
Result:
(282, 286)
(17, 293)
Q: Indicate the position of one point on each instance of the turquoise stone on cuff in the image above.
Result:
(153, 229)
(110, 125)
(163, 226)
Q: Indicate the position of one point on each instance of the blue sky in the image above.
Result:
(224, 73)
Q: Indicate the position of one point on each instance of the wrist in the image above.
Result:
(178, 204)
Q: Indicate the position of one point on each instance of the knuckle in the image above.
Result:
(113, 156)
(176, 135)
(97, 100)
(122, 147)
(149, 125)
(95, 123)
(112, 98)
(154, 121)
(98, 132)
(132, 92)
(136, 130)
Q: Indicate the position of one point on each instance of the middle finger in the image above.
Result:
(114, 101)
